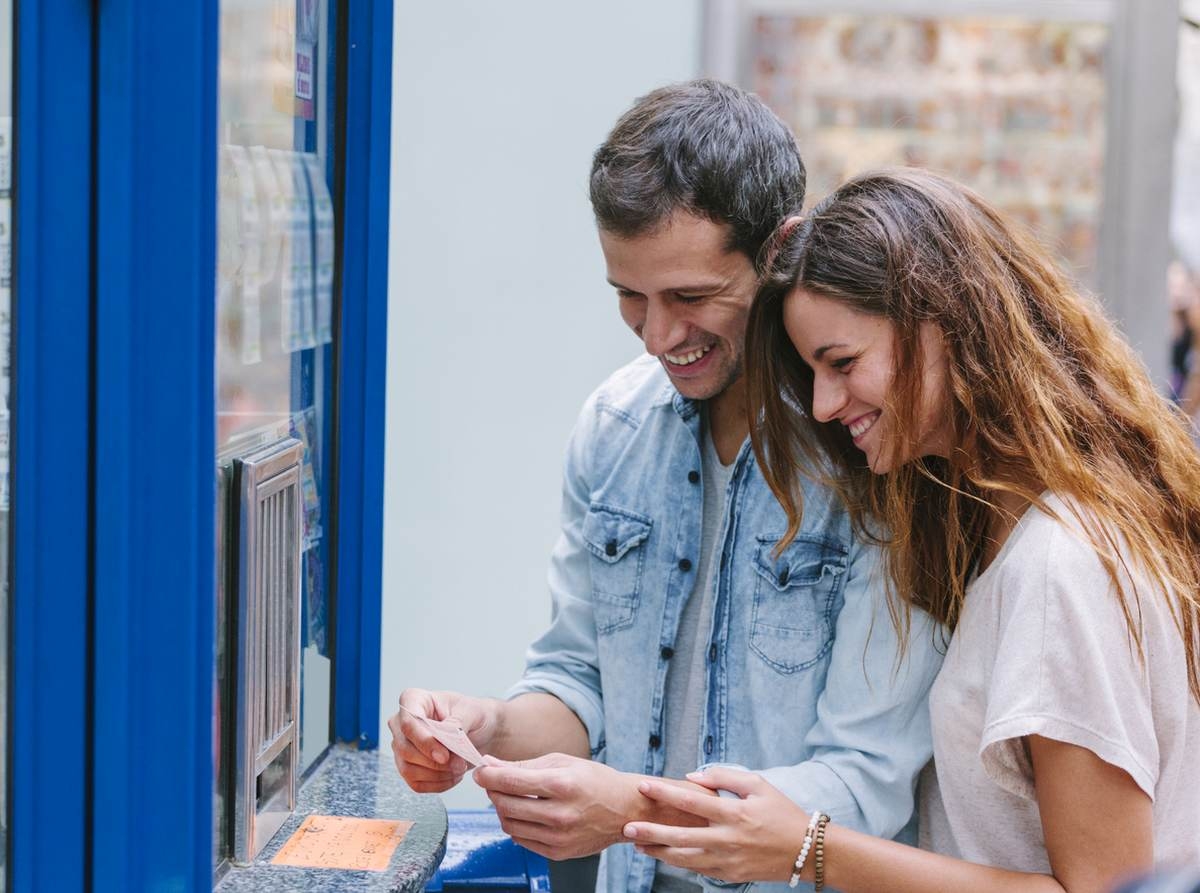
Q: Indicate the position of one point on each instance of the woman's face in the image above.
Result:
(851, 357)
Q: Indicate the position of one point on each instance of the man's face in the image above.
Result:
(687, 297)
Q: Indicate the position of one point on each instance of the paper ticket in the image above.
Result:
(450, 734)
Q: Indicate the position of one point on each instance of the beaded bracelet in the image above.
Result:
(802, 857)
(819, 855)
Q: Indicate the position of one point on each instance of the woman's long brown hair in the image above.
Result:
(1044, 395)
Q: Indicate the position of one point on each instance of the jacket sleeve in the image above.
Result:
(872, 735)
(563, 661)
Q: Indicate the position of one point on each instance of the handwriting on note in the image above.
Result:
(333, 841)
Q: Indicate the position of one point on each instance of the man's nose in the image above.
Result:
(662, 329)
(829, 398)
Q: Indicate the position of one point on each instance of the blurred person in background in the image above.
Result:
(1046, 504)
(1183, 290)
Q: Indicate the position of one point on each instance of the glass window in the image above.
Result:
(1011, 105)
(6, 254)
(1183, 277)
(275, 288)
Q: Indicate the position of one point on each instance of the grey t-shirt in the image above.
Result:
(1042, 648)
(686, 677)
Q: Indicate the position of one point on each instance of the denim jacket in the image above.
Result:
(804, 680)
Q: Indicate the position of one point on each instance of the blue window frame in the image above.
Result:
(366, 130)
(50, 763)
(153, 576)
(113, 441)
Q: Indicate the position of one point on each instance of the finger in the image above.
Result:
(419, 787)
(705, 806)
(413, 773)
(513, 779)
(737, 781)
(525, 809)
(689, 858)
(654, 834)
(415, 705)
(533, 837)
(408, 751)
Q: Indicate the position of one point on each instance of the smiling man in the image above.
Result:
(679, 634)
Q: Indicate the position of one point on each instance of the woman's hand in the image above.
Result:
(753, 838)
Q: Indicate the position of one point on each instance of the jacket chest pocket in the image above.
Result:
(794, 596)
(616, 540)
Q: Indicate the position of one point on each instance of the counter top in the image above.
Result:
(363, 784)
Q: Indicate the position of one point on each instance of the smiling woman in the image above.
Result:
(1035, 494)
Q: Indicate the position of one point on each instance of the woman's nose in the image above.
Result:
(829, 398)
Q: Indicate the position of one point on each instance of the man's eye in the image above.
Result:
(843, 365)
(689, 299)
(625, 294)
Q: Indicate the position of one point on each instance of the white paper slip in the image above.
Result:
(449, 733)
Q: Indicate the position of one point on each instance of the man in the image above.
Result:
(678, 636)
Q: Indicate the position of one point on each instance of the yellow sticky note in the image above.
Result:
(333, 841)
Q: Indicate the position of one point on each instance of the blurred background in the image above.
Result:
(1081, 117)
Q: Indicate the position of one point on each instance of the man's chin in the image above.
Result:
(700, 388)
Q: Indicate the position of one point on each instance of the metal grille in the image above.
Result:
(268, 636)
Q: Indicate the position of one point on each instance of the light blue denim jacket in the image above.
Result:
(804, 681)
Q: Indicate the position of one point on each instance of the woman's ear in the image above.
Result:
(776, 242)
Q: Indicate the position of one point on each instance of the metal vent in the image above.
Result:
(268, 644)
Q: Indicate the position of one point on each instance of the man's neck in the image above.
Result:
(727, 421)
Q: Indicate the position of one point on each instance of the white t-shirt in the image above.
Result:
(1042, 648)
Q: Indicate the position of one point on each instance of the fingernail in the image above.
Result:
(441, 756)
(696, 774)
(644, 787)
(630, 831)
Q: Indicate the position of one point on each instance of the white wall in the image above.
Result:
(499, 320)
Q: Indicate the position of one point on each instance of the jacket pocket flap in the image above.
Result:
(611, 532)
(801, 563)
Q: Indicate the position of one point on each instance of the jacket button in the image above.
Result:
(693, 477)
(708, 744)
(610, 548)
(667, 652)
(783, 576)
(712, 652)
(685, 565)
(654, 742)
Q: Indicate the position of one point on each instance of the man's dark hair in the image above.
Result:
(703, 147)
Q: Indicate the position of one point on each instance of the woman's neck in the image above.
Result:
(1002, 520)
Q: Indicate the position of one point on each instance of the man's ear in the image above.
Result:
(776, 242)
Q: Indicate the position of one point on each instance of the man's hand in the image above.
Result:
(560, 806)
(563, 807)
(424, 763)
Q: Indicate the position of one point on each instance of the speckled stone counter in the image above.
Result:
(363, 784)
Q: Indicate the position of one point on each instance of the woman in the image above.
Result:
(1046, 507)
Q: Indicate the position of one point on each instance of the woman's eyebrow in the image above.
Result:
(820, 351)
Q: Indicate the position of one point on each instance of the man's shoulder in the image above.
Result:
(632, 392)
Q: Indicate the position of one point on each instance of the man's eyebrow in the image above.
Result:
(821, 351)
(699, 288)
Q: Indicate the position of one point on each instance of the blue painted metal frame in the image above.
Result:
(366, 157)
(48, 674)
(155, 444)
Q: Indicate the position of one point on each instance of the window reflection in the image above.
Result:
(274, 298)
(1012, 107)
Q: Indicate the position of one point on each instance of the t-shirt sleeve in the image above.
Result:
(1067, 668)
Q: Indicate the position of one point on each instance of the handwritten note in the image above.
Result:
(332, 841)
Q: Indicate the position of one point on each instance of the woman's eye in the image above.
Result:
(843, 365)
